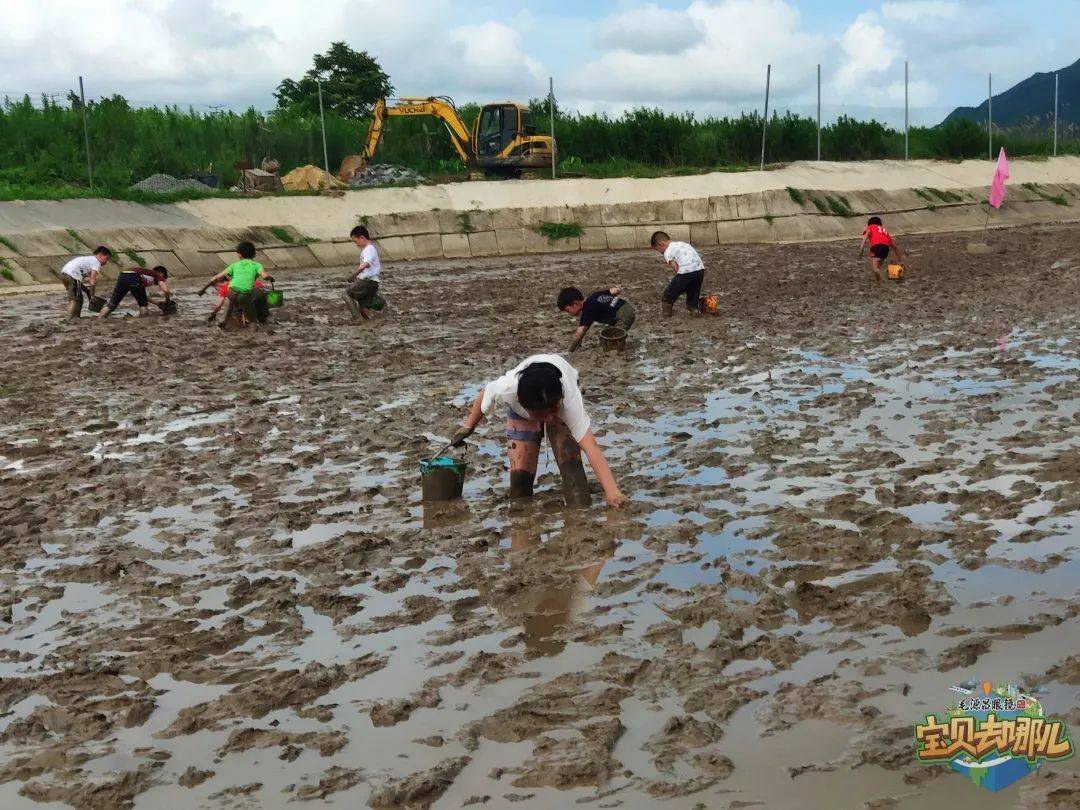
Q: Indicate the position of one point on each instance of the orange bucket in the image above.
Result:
(709, 304)
(896, 271)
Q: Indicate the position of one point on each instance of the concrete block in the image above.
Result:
(594, 238)
(326, 253)
(778, 203)
(511, 241)
(558, 213)
(414, 222)
(455, 245)
(750, 206)
(567, 245)
(20, 274)
(531, 217)
(428, 245)
(280, 257)
(703, 234)
(449, 221)
(695, 210)
(507, 219)
(734, 231)
(42, 270)
(349, 253)
(396, 248)
(620, 237)
(165, 258)
(679, 232)
(197, 263)
(535, 242)
(588, 216)
(723, 208)
(619, 214)
(479, 220)
(483, 243)
(669, 211)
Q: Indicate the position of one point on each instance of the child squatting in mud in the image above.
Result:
(540, 395)
(364, 284)
(603, 306)
(242, 276)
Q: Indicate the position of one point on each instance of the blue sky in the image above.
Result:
(707, 56)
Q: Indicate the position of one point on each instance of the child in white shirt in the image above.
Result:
(364, 285)
(689, 270)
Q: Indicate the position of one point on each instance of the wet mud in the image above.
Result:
(221, 587)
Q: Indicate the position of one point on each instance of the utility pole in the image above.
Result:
(1055, 111)
(990, 115)
(905, 109)
(322, 121)
(551, 113)
(86, 133)
(765, 121)
(819, 111)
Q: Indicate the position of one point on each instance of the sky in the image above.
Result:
(705, 56)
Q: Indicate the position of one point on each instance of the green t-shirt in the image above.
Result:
(242, 275)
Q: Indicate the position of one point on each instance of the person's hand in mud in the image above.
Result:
(616, 500)
(460, 435)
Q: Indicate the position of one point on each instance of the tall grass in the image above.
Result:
(42, 154)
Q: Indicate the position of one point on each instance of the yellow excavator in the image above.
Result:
(503, 141)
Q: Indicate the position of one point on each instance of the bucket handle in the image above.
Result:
(464, 449)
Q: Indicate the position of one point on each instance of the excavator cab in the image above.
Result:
(506, 141)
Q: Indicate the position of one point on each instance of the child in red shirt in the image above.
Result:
(880, 241)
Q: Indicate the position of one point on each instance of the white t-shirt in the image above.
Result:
(80, 266)
(503, 391)
(370, 256)
(683, 252)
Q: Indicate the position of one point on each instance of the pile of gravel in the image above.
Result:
(167, 184)
(382, 174)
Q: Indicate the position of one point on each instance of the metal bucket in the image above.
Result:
(442, 478)
(613, 339)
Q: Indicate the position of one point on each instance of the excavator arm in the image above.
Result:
(440, 107)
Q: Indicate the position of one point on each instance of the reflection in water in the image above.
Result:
(548, 600)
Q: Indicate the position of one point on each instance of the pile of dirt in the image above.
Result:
(167, 184)
(385, 174)
(310, 178)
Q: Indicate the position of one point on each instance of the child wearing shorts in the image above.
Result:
(880, 241)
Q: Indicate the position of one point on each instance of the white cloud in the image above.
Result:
(492, 59)
(867, 53)
(650, 29)
(726, 66)
(921, 11)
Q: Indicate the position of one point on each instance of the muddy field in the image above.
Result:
(221, 589)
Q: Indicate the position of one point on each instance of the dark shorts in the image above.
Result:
(625, 316)
(523, 429)
(128, 283)
(879, 251)
(74, 292)
(252, 303)
(688, 283)
(362, 291)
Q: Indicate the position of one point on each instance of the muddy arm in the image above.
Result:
(598, 462)
(475, 417)
(579, 336)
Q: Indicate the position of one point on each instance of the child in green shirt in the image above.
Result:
(242, 276)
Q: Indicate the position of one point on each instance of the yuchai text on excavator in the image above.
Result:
(503, 141)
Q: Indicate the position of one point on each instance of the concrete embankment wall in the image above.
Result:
(801, 202)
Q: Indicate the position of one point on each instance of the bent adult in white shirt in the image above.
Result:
(541, 395)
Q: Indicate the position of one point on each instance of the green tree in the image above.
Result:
(352, 83)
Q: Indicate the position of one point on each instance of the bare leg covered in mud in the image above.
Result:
(523, 449)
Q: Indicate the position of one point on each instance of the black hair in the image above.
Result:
(873, 221)
(567, 296)
(658, 237)
(101, 250)
(246, 250)
(359, 230)
(161, 269)
(539, 386)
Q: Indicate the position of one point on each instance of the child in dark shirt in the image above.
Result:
(603, 306)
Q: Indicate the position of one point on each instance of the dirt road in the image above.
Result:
(220, 588)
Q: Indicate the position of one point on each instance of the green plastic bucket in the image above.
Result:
(377, 303)
(442, 478)
(274, 298)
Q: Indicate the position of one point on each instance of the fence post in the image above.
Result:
(86, 133)
(990, 115)
(819, 111)
(765, 121)
(551, 113)
(905, 109)
(1055, 110)
(322, 121)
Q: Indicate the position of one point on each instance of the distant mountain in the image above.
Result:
(1031, 102)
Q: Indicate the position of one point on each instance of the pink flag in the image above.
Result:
(1001, 174)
